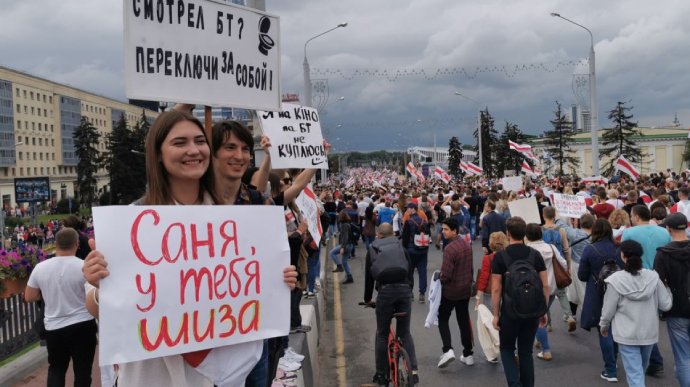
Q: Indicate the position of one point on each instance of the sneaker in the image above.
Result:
(421, 298)
(287, 365)
(654, 369)
(468, 360)
(339, 269)
(415, 377)
(300, 329)
(311, 295)
(380, 380)
(545, 356)
(572, 324)
(609, 378)
(446, 358)
(280, 374)
(348, 280)
(493, 361)
(291, 353)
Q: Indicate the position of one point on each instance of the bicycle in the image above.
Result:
(399, 365)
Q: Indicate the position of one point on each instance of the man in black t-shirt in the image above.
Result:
(513, 330)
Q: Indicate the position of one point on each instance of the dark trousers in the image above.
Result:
(76, 342)
(522, 332)
(258, 377)
(462, 314)
(295, 315)
(419, 262)
(393, 299)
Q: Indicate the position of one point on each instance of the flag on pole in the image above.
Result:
(623, 165)
(526, 169)
(519, 147)
(411, 169)
(441, 174)
(470, 168)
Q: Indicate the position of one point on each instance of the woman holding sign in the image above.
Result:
(179, 173)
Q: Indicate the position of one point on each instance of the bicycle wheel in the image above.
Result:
(404, 374)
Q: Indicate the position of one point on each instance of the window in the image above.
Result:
(21, 156)
(40, 126)
(34, 156)
(17, 91)
(13, 172)
(26, 110)
(19, 124)
(21, 169)
(33, 127)
(45, 111)
(54, 173)
(40, 140)
(24, 93)
(38, 97)
(32, 110)
(44, 98)
(33, 142)
(35, 171)
(38, 111)
(19, 108)
(52, 143)
(53, 156)
(50, 99)
(32, 95)
(41, 170)
(51, 129)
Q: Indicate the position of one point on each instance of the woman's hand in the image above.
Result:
(95, 267)
(290, 276)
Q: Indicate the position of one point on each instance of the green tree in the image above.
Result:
(86, 139)
(124, 163)
(507, 159)
(618, 140)
(489, 143)
(454, 157)
(558, 142)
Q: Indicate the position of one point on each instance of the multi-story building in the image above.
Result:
(37, 120)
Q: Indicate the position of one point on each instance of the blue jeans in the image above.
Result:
(473, 226)
(313, 263)
(635, 361)
(394, 298)
(679, 335)
(522, 332)
(542, 334)
(419, 262)
(609, 351)
(343, 260)
(258, 377)
(368, 240)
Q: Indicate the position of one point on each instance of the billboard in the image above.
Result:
(31, 189)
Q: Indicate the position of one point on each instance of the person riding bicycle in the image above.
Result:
(389, 266)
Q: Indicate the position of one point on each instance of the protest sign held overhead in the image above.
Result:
(296, 140)
(306, 202)
(188, 278)
(525, 208)
(202, 52)
(512, 183)
(570, 206)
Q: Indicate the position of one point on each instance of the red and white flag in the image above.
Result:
(623, 165)
(519, 147)
(470, 168)
(411, 169)
(441, 174)
(526, 169)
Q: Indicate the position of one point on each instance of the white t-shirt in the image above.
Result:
(61, 283)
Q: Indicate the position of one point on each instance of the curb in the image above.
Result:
(18, 369)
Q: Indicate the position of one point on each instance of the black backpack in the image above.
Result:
(523, 292)
(388, 258)
(610, 266)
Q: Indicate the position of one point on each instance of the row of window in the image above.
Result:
(46, 98)
(93, 109)
(39, 171)
(33, 126)
(34, 111)
(40, 154)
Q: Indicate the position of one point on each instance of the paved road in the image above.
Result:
(576, 357)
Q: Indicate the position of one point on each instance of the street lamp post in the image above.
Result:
(307, 78)
(593, 111)
(479, 128)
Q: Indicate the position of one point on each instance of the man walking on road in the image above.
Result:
(70, 328)
(416, 237)
(521, 265)
(491, 223)
(456, 284)
(388, 264)
(673, 265)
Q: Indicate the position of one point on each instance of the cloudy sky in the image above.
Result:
(642, 56)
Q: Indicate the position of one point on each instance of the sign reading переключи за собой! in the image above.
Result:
(202, 52)
(189, 278)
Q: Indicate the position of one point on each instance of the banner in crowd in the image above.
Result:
(569, 206)
(202, 52)
(525, 208)
(296, 140)
(189, 278)
(513, 183)
(306, 202)
(470, 168)
(442, 174)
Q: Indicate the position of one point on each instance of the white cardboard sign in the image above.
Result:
(526, 209)
(202, 52)
(570, 206)
(296, 140)
(306, 202)
(188, 278)
(513, 183)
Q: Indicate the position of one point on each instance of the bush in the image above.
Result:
(63, 206)
(11, 222)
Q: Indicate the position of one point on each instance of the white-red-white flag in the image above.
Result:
(623, 165)
(441, 174)
(470, 168)
(519, 147)
(411, 169)
(526, 169)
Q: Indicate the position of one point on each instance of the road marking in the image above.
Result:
(339, 343)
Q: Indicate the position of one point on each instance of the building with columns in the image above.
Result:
(37, 120)
(663, 149)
